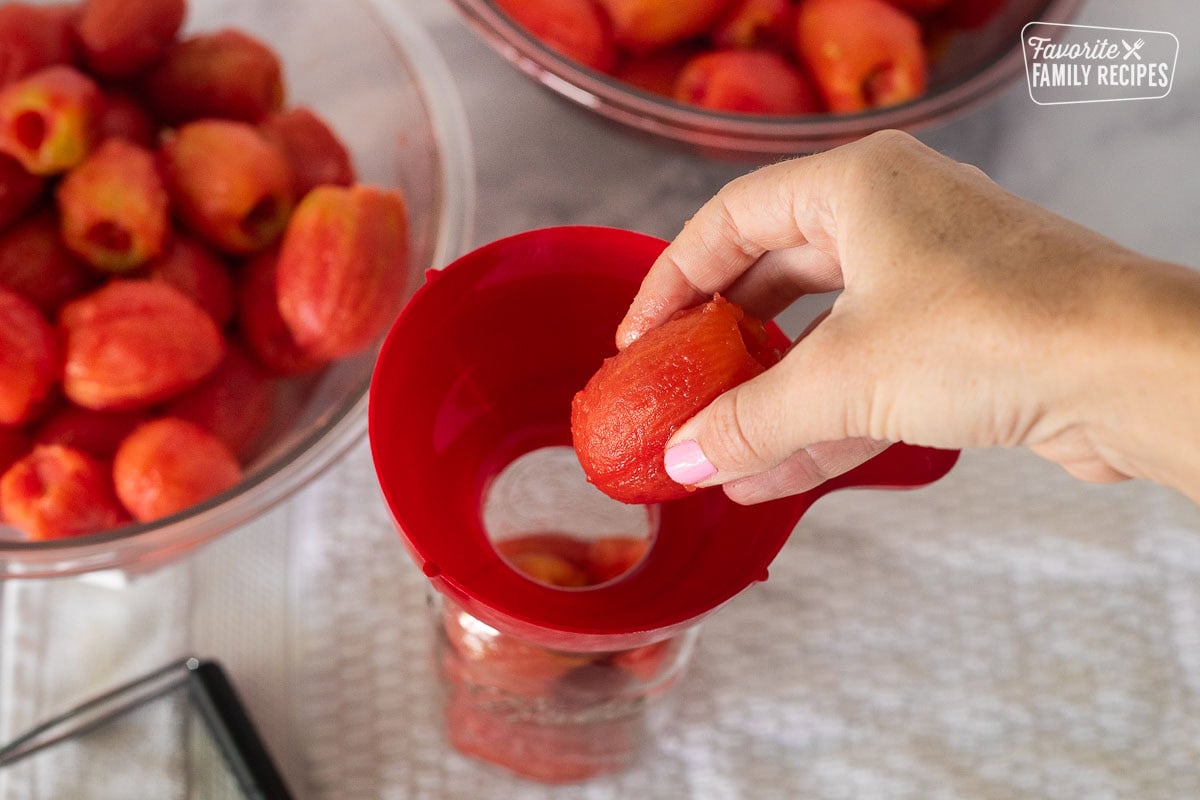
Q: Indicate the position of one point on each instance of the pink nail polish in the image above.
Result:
(687, 464)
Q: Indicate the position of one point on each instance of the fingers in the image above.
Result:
(1078, 456)
(804, 470)
(780, 207)
(782, 277)
(761, 429)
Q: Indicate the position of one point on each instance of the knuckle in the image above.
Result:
(890, 140)
(892, 153)
(729, 229)
(745, 495)
(726, 438)
(887, 147)
(742, 183)
(803, 471)
(720, 242)
(974, 172)
(830, 459)
(685, 268)
(876, 161)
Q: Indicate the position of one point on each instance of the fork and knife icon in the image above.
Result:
(1132, 49)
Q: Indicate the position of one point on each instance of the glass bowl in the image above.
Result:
(973, 68)
(377, 77)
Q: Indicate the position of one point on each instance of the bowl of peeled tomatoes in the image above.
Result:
(210, 214)
(766, 77)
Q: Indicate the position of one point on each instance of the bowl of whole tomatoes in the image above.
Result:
(210, 213)
(766, 77)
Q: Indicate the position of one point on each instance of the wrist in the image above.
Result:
(1139, 399)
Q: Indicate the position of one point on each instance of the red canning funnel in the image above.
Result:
(480, 369)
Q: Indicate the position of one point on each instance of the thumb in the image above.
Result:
(792, 423)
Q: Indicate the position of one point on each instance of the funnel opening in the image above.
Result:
(551, 526)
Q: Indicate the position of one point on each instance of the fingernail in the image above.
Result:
(687, 464)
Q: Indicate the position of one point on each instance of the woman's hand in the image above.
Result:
(969, 318)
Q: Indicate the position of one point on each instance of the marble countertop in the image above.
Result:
(1007, 633)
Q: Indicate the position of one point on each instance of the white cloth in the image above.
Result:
(1007, 633)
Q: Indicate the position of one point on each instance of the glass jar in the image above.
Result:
(550, 715)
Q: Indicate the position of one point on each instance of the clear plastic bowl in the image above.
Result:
(370, 68)
(974, 68)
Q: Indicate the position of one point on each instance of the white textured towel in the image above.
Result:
(1007, 633)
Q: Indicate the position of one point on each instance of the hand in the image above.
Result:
(969, 318)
